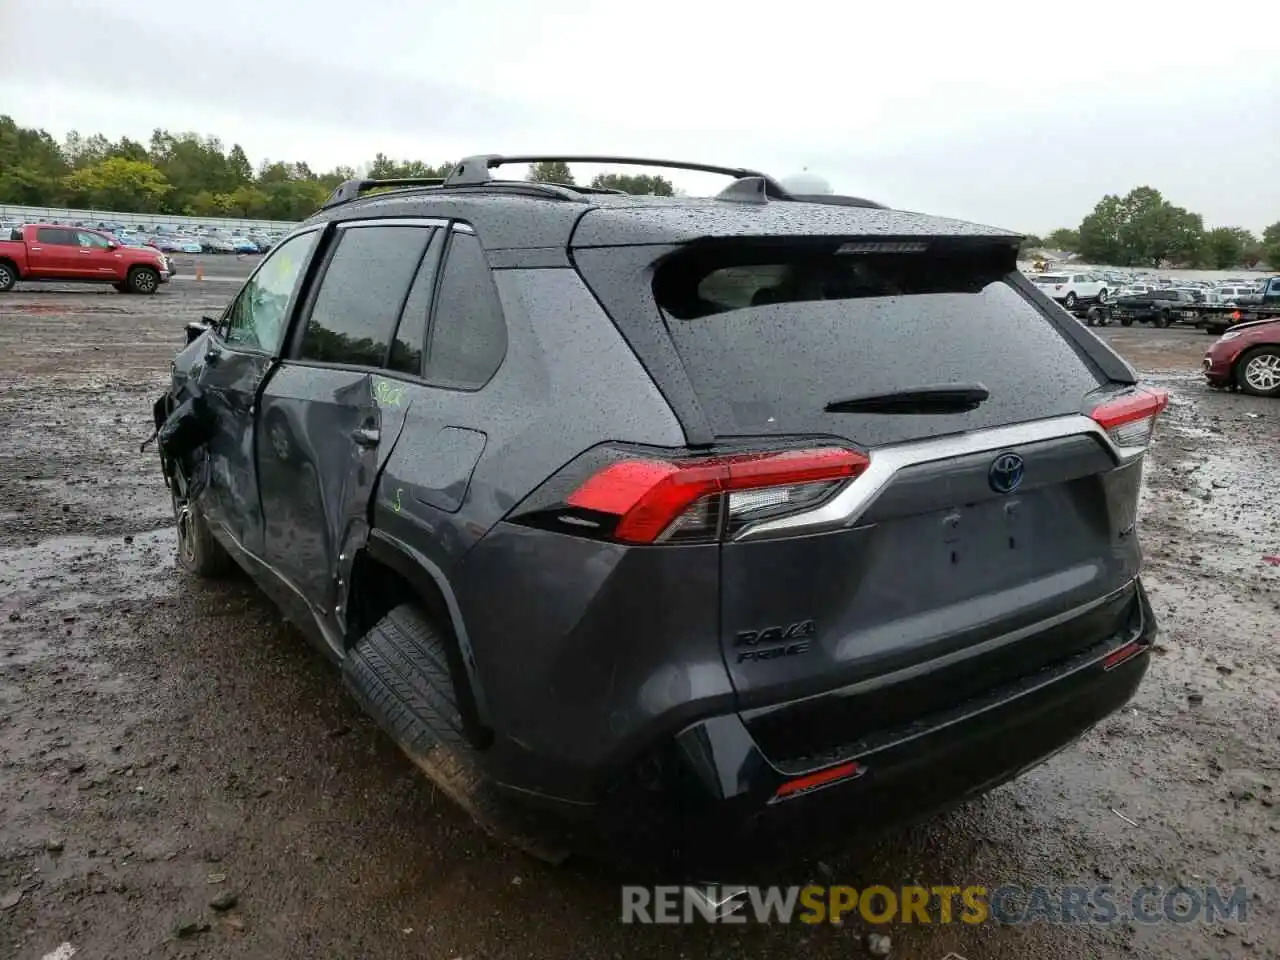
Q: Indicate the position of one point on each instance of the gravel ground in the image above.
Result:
(165, 742)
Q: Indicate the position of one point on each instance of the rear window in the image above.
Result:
(1054, 278)
(770, 338)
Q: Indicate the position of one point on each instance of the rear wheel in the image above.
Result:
(1258, 372)
(143, 280)
(1070, 301)
(8, 276)
(1126, 321)
(1162, 319)
(399, 671)
(198, 552)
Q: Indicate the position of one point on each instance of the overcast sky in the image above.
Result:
(1019, 115)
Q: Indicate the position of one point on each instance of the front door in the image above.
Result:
(241, 351)
(96, 258)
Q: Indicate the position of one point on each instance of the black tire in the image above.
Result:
(1102, 295)
(1257, 373)
(1162, 319)
(1126, 321)
(199, 554)
(399, 671)
(143, 280)
(8, 276)
(1070, 301)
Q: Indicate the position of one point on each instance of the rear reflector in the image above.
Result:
(658, 500)
(1125, 653)
(822, 778)
(1130, 419)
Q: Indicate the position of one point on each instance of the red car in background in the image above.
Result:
(1248, 357)
(41, 251)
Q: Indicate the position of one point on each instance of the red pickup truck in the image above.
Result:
(74, 255)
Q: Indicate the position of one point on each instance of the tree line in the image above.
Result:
(193, 175)
(1143, 229)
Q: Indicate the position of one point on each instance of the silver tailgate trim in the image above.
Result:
(844, 509)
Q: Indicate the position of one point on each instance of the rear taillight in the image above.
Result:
(643, 500)
(1130, 419)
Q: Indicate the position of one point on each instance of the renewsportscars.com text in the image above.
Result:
(928, 905)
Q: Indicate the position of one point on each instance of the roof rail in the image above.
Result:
(475, 170)
(349, 190)
(354, 189)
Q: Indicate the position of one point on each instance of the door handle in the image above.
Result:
(85, 253)
(367, 436)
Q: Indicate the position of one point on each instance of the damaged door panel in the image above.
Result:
(329, 419)
(319, 442)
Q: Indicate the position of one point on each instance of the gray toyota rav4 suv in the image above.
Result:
(683, 530)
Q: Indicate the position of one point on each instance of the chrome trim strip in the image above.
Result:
(844, 509)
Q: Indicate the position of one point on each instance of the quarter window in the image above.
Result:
(362, 294)
(468, 334)
(256, 320)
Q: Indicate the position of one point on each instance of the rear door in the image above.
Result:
(975, 519)
(332, 412)
(54, 252)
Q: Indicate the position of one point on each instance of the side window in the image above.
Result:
(468, 334)
(95, 240)
(406, 349)
(1273, 288)
(257, 318)
(56, 236)
(362, 293)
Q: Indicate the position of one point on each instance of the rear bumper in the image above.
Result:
(708, 803)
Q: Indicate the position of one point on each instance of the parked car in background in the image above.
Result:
(189, 245)
(1246, 357)
(72, 255)
(242, 245)
(1072, 288)
(1161, 307)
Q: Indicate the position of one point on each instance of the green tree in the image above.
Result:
(1063, 239)
(1271, 246)
(384, 168)
(118, 184)
(1226, 246)
(550, 171)
(1141, 228)
(238, 164)
(32, 166)
(639, 184)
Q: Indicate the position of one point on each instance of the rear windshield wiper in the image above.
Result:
(939, 398)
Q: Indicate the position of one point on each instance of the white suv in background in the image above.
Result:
(1072, 288)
